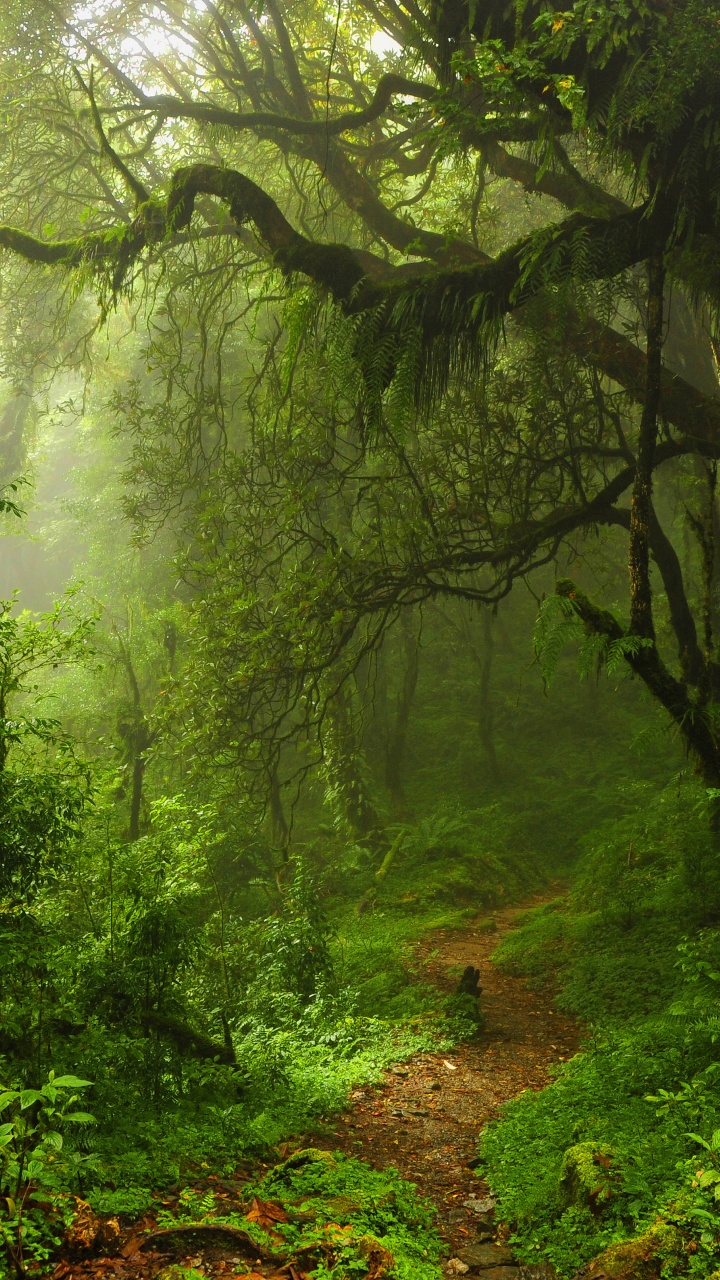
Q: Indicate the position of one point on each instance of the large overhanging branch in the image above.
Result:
(453, 317)
(607, 246)
(681, 404)
(451, 306)
(567, 186)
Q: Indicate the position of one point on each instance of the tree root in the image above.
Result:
(236, 1234)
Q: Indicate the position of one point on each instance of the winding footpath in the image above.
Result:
(426, 1116)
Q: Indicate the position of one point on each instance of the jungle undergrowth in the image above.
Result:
(629, 1132)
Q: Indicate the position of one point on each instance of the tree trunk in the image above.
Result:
(138, 774)
(278, 821)
(641, 510)
(689, 714)
(345, 769)
(662, 684)
(486, 716)
(482, 656)
(396, 741)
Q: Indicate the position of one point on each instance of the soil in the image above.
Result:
(424, 1118)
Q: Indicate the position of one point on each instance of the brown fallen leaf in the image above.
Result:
(266, 1214)
(88, 1230)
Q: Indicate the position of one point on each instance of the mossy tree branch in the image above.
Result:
(646, 662)
(458, 304)
(450, 306)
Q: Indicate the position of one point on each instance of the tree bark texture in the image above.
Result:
(641, 510)
(396, 742)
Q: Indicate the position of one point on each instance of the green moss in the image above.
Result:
(658, 1251)
(179, 1273)
(587, 1176)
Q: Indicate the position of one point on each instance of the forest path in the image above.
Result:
(426, 1116)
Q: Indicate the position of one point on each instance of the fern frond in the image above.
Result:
(557, 624)
(625, 646)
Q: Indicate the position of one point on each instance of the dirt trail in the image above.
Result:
(426, 1116)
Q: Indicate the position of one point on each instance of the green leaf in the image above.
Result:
(697, 1138)
(29, 1096)
(71, 1082)
(80, 1117)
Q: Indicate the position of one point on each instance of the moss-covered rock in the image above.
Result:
(659, 1251)
(588, 1176)
(332, 1207)
(307, 1155)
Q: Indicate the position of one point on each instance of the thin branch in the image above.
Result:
(134, 185)
(388, 86)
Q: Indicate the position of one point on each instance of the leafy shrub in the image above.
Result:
(35, 1165)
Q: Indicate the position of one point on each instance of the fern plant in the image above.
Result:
(558, 624)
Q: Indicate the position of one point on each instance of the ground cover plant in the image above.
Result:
(333, 1211)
